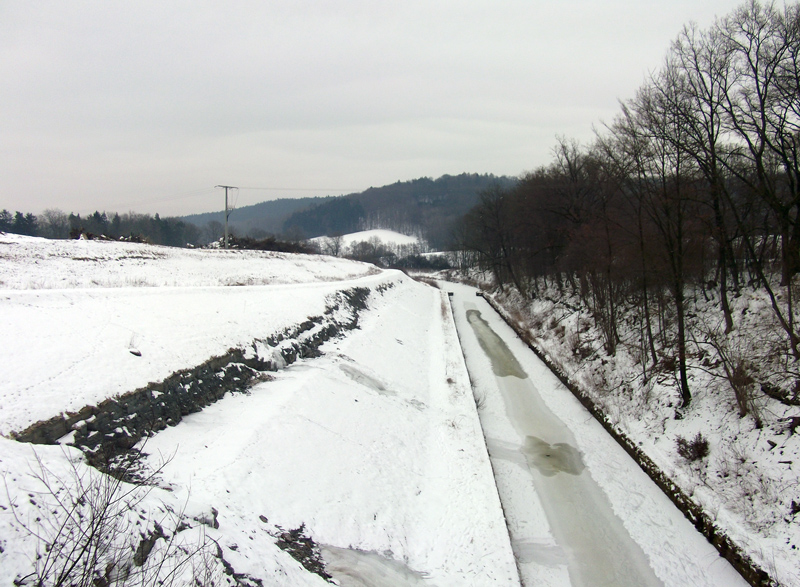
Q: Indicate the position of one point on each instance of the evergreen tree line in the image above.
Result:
(693, 189)
(131, 226)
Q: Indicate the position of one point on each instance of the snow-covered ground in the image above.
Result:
(375, 447)
(67, 342)
(34, 263)
(374, 450)
(387, 237)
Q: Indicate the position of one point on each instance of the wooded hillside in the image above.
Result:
(693, 189)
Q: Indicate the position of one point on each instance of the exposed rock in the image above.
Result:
(304, 550)
(146, 545)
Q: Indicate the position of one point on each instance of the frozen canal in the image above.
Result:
(579, 510)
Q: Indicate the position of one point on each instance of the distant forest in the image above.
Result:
(257, 220)
(424, 207)
(52, 223)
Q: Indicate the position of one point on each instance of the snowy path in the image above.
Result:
(579, 510)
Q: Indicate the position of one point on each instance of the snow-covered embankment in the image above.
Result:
(372, 449)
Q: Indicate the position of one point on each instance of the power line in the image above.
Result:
(170, 198)
(192, 194)
(300, 189)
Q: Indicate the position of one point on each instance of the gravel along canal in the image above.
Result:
(564, 528)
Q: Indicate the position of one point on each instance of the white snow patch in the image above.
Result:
(387, 237)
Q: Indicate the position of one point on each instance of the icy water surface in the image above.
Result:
(591, 540)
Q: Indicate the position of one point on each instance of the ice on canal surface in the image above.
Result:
(591, 540)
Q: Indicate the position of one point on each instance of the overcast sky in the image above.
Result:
(146, 106)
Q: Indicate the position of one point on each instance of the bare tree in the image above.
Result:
(761, 109)
(213, 231)
(659, 114)
(53, 223)
(491, 236)
(333, 245)
(703, 72)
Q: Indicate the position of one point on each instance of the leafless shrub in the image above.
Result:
(204, 567)
(518, 316)
(89, 532)
(573, 342)
(536, 322)
(641, 401)
(692, 450)
(737, 368)
(751, 490)
(731, 460)
(426, 281)
(480, 399)
(595, 378)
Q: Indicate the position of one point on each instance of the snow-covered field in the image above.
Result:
(68, 341)
(387, 237)
(27, 263)
(374, 450)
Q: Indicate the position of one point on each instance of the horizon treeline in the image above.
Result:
(692, 189)
(56, 224)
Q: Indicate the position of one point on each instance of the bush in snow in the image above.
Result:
(694, 449)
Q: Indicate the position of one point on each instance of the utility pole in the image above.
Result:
(227, 213)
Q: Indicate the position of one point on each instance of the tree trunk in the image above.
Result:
(686, 395)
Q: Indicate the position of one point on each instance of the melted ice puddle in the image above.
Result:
(357, 568)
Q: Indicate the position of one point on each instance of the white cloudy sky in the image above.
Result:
(148, 105)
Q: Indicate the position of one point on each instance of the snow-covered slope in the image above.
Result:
(387, 237)
(373, 450)
(67, 343)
